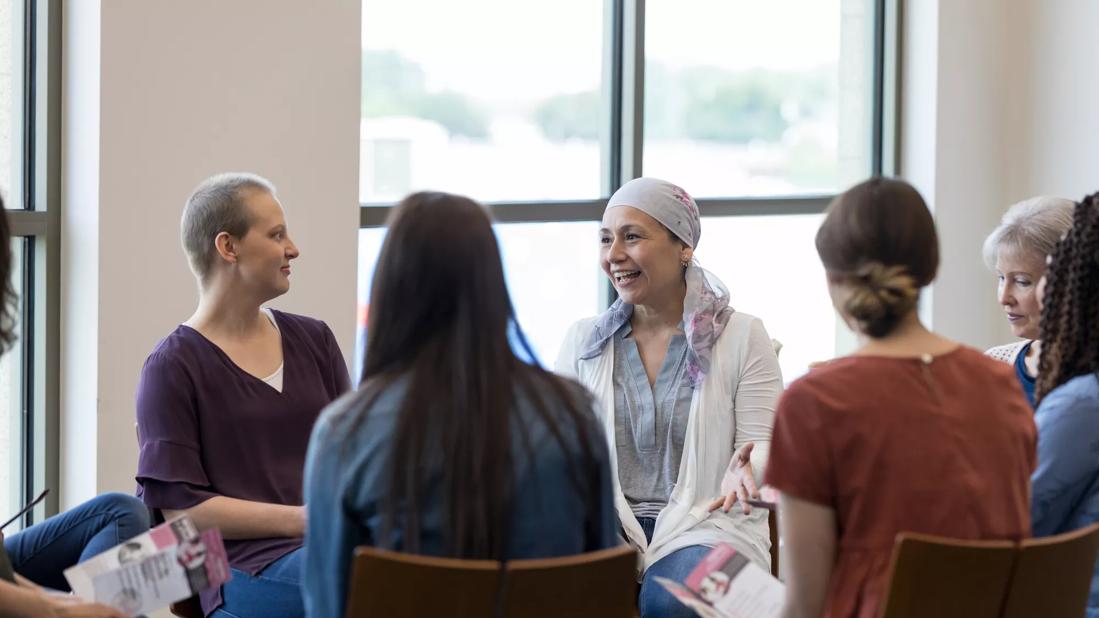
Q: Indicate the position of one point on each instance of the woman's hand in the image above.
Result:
(68, 606)
(738, 482)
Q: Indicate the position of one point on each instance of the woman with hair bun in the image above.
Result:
(912, 432)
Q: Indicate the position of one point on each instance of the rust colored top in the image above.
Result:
(943, 447)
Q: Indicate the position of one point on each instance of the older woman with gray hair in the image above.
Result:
(687, 387)
(1017, 251)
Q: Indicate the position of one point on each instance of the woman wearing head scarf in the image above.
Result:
(687, 388)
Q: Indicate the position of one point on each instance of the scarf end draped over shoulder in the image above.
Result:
(706, 311)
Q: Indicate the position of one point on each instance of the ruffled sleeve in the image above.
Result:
(170, 471)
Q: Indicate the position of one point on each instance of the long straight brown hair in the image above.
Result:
(440, 317)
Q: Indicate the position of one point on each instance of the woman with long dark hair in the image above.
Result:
(1065, 493)
(452, 445)
(910, 433)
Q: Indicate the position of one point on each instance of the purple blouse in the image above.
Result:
(207, 428)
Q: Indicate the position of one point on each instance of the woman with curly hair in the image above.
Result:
(1065, 485)
(912, 432)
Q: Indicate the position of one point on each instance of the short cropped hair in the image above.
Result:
(217, 205)
(1030, 227)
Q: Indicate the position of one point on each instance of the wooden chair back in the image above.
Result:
(772, 523)
(595, 584)
(385, 583)
(1053, 575)
(947, 578)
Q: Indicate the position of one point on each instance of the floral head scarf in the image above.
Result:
(706, 307)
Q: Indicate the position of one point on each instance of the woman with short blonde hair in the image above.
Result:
(227, 400)
(1016, 250)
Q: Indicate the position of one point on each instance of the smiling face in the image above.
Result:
(642, 259)
(265, 250)
(1018, 274)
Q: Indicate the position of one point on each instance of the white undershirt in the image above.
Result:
(275, 379)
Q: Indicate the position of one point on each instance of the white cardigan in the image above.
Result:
(735, 404)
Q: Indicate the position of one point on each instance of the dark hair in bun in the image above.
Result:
(878, 239)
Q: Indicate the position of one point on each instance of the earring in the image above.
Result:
(686, 263)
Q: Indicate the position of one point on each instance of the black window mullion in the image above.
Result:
(25, 315)
(877, 144)
(616, 43)
(29, 69)
(27, 375)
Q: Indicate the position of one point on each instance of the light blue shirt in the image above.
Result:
(1065, 487)
(347, 476)
(650, 422)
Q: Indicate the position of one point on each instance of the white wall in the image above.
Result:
(79, 250)
(998, 104)
(1058, 151)
(185, 90)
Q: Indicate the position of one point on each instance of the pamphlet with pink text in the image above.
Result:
(167, 564)
(725, 584)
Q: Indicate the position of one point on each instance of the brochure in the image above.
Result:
(167, 564)
(725, 584)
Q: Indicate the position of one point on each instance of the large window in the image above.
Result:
(482, 97)
(748, 104)
(28, 153)
(762, 111)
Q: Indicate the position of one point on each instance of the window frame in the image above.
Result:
(624, 54)
(36, 220)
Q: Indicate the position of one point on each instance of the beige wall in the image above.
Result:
(998, 105)
(1057, 151)
(185, 90)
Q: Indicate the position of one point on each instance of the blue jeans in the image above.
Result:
(654, 601)
(274, 592)
(42, 552)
